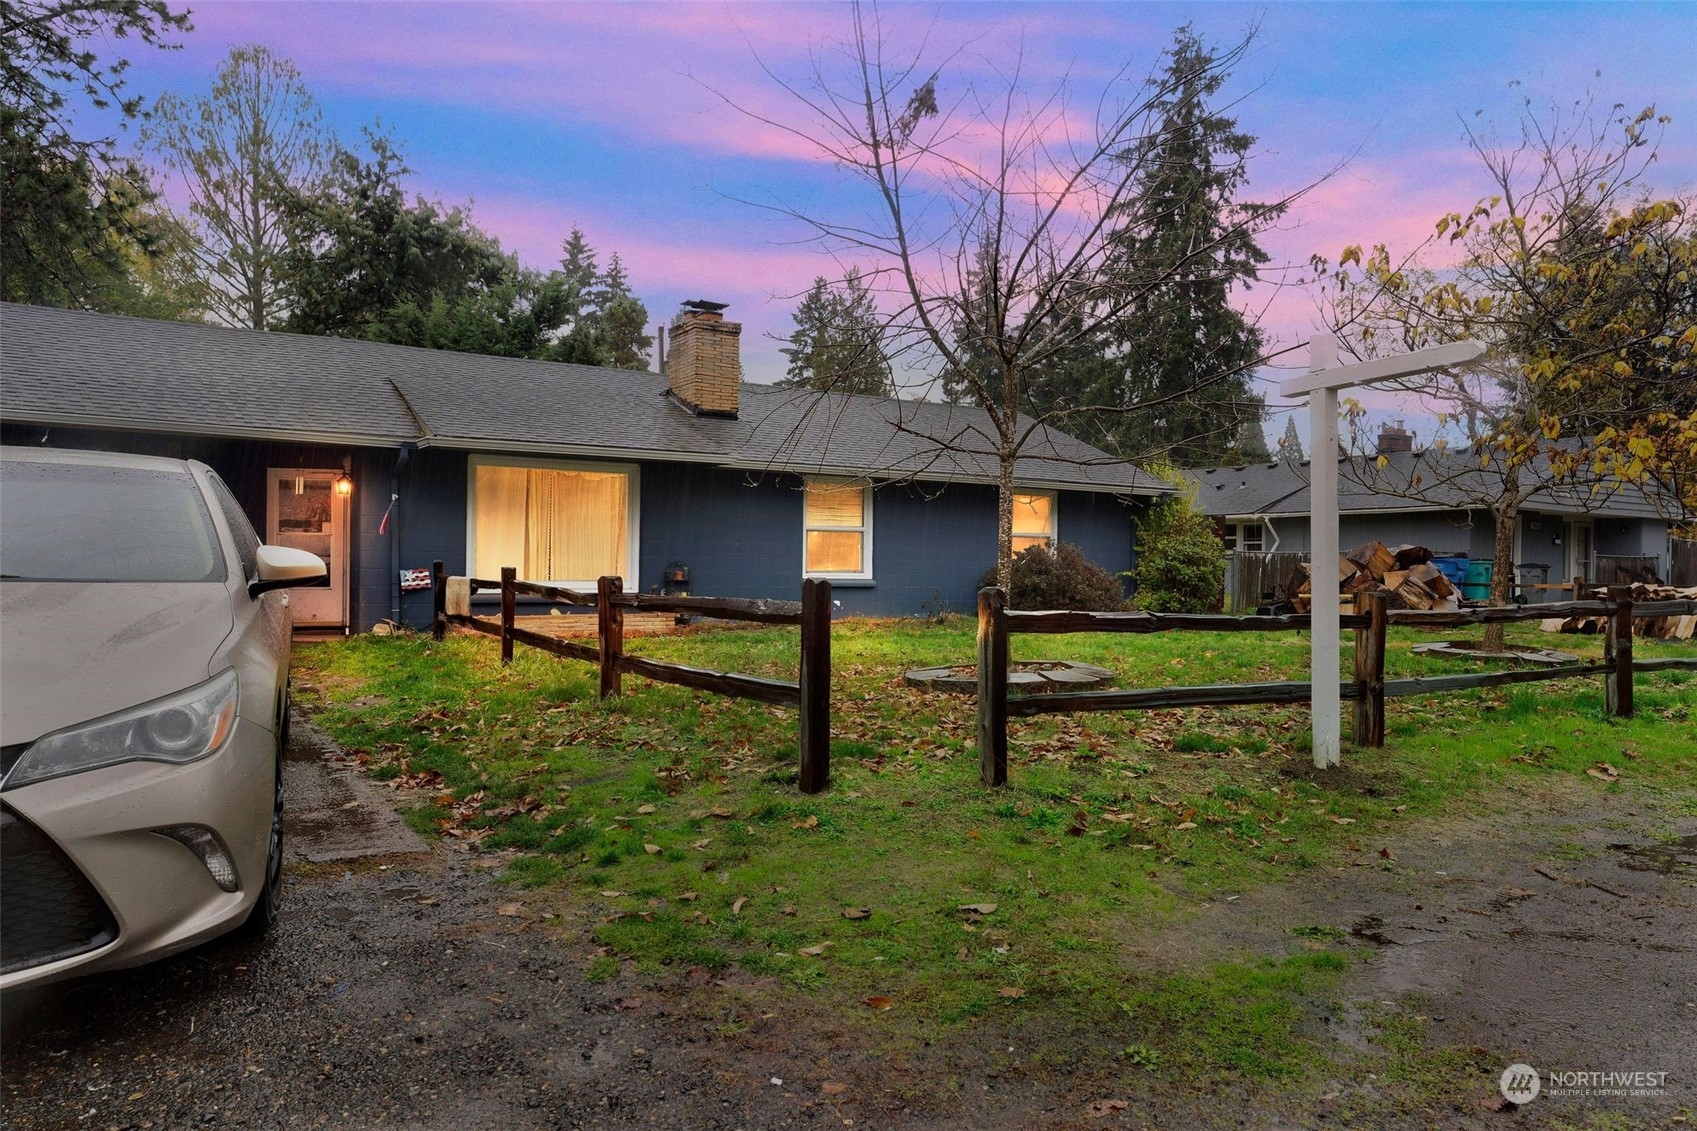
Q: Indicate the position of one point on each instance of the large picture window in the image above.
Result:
(838, 521)
(1033, 520)
(552, 523)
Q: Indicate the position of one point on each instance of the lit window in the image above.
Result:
(838, 525)
(1033, 520)
(563, 524)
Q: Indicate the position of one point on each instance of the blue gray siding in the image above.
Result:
(740, 533)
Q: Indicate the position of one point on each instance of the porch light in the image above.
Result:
(344, 485)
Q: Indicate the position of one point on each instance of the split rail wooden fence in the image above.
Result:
(810, 694)
(1368, 691)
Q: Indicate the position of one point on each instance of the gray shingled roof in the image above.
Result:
(73, 368)
(1414, 481)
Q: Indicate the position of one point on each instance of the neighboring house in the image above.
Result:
(384, 458)
(1562, 531)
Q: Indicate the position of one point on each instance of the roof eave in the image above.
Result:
(179, 428)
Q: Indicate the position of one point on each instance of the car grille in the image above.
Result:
(48, 910)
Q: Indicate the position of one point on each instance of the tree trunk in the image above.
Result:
(1502, 568)
(1004, 523)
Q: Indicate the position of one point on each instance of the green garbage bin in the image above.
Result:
(1477, 585)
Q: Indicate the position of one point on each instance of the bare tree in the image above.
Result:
(991, 225)
(1538, 282)
(241, 150)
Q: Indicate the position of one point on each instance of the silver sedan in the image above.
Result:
(144, 657)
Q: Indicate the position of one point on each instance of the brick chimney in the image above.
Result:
(1395, 438)
(704, 368)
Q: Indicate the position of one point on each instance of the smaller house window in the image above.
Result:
(1250, 537)
(838, 529)
(1033, 520)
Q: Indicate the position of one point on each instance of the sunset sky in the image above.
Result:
(613, 117)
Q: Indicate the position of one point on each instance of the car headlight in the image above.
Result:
(178, 728)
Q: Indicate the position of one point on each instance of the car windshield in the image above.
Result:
(78, 522)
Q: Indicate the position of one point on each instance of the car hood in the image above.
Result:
(74, 651)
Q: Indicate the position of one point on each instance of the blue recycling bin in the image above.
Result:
(1453, 567)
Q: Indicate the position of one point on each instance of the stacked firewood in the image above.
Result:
(1660, 628)
(1405, 572)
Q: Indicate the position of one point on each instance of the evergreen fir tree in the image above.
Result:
(838, 342)
(1181, 351)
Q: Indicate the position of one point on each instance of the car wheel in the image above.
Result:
(264, 912)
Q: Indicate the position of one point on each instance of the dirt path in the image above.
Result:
(410, 990)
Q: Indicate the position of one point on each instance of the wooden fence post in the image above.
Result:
(1617, 683)
(509, 606)
(992, 686)
(610, 623)
(1370, 669)
(439, 597)
(815, 770)
(1579, 587)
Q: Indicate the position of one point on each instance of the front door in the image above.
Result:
(1581, 551)
(305, 512)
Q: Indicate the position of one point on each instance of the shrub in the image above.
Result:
(1181, 562)
(1062, 578)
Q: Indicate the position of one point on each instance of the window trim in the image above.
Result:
(1054, 534)
(864, 530)
(633, 512)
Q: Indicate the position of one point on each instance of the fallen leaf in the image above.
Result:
(1602, 771)
(814, 951)
(701, 845)
(626, 1004)
(810, 823)
(1491, 1103)
(721, 814)
(738, 904)
(979, 908)
(1518, 893)
(974, 834)
(857, 913)
(1185, 825)
(1343, 820)
(879, 1002)
(510, 909)
(786, 910)
(645, 809)
(963, 953)
(1010, 992)
(612, 894)
(689, 897)
(1106, 1107)
(1387, 854)
(652, 849)
(832, 1088)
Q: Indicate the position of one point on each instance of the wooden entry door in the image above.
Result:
(303, 511)
(1582, 551)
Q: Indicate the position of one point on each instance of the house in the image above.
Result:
(384, 458)
(1441, 499)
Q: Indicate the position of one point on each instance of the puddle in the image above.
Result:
(1664, 858)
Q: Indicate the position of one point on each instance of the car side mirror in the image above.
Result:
(283, 568)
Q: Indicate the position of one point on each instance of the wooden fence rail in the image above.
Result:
(1367, 692)
(810, 694)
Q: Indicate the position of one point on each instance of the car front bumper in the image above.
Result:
(90, 885)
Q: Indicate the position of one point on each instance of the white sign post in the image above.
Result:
(1320, 385)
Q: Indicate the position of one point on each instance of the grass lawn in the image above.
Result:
(912, 897)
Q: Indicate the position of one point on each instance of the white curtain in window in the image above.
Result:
(553, 525)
